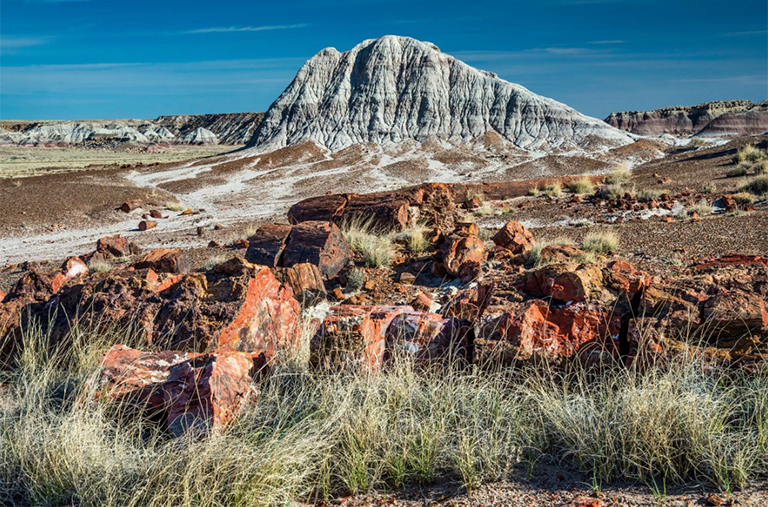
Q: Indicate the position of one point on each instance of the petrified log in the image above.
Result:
(131, 205)
(319, 243)
(145, 225)
(514, 237)
(266, 246)
(306, 282)
(164, 260)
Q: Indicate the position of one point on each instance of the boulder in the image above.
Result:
(429, 337)
(306, 282)
(734, 314)
(188, 393)
(116, 246)
(321, 208)
(319, 243)
(514, 237)
(236, 306)
(564, 282)
(266, 246)
(353, 336)
(463, 256)
(537, 331)
(470, 303)
(164, 260)
(552, 254)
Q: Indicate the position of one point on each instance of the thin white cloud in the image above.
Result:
(230, 29)
(22, 42)
(618, 41)
(750, 32)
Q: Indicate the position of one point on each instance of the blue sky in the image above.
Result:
(70, 59)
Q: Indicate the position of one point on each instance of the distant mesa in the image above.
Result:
(716, 119)
(199, 129)
(395, 89)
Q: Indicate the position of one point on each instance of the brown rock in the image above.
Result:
(129, 206)
(514, 237)
(145, 225)
(463, 256)
(306, 282)
(428, 337)
(190, 393)
(734, 314)
(560, 253)
(407, 277)
(422, 301)
(116, 246)
(319, 243)
(470, 303)
(200, 230)
(155, 213)
(266, 246)
(164, 260)
(564, 282)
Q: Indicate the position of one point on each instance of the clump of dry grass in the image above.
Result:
(581, 186)
(554, 190)
(603, 242)
(533, 257)
(703, 207)
(757, 186)
(620, 176)
(376, 248)
(416, 238)
(750, 154)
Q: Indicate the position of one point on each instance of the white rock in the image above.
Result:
(396, 88)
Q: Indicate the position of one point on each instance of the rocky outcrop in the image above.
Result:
(734, 117)
(230, 129)
(393, 89)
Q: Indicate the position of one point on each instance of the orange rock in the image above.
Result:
(514, 237)
(164, 260)
(565, 282)
(353, 336)
(462, 256)
(422, 301)
(190, 393)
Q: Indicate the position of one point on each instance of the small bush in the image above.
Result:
(612, 191)
(620, 175)
(695, 143)
(581, 186)
(534, 191)
(751, 154)
(214, 261)
(743, 198)
(738, 171)
(710, 189)
(605, 242)
(374, 247)
(355, 280)
(648, 194)
(416, 238)
(99, 266)
(703, 207)
(485, 210)
(175, 206)
(554, 190)
(761, 167)
(757, 186)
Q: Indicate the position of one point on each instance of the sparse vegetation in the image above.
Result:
(695, 143)
(710, 189)
(554, 190)
(214, 261)
(760, 167)
(619, 176)
(757, 186)
(703, 207)
(374, 247)
(737, 172)
(603, 242)
(99, 266)
(416, 238)
(534, 191)
(648, 194)
(355, 280)
(485, 210)
(743, 198)
(582, 186)
(751, 154)
(612, 191)
(175, 206)
(250, 229)
(310, 436)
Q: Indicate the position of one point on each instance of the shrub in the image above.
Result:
(214, 261)
(648, 194)
(534, 191)
(485, 210)
(757, 186)
(738, 171)
(695, 143)
(703, 207)
(620, 175)
(99, 266)
(374, 247)
(612, 191)
(605, 242)
(554, 190)
(581, 186)
(751, 154)
(174, 206)
(743, 198)
(710, 189)
(416, 238)
(355, 280)
(760, 167)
